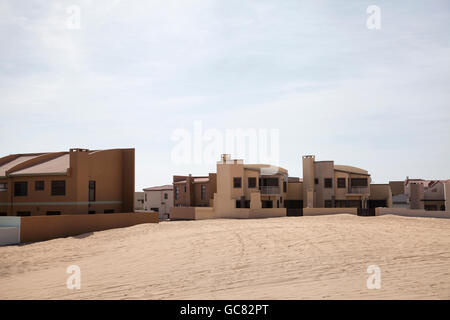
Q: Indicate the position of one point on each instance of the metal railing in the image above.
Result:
(270, 190)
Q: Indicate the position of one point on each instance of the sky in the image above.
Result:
(136, 74)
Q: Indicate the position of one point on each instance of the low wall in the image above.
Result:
(267, 213)
(326, 211)
(412, 213)
(203, 213)
(182, 213)
(41, 228)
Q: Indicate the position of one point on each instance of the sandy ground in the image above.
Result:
(322, 257)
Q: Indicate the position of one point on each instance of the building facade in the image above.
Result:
(80, 181)
(159, 199)
(139, 201)
(190, 191)
(327, 185)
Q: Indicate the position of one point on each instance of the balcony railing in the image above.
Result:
(270, 190)
(358, 190)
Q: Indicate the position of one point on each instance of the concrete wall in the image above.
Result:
(412, 213)
(41, 228)
(327, 211)
(182, 213)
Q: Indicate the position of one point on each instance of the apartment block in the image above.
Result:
(79, 181)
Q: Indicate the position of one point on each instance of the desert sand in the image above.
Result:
(323, 257)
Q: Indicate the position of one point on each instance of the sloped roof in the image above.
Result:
(53, 166)
(160, 188)
(350, 169)
(15, 162)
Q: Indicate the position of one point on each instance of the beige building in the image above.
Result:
(159, 199)
(79, 181)
(261, 190)
(328, 185)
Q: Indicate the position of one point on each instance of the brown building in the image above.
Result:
(189, 191)
(80, 181)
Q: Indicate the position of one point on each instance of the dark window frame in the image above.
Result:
(328, 183)
(357, 182)
(20, 188)
(237, 182)
(252, 182)
(341, 182)
(92, 188)
(203, 192)
(58, 190)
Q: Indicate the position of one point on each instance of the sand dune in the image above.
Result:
(282, 258)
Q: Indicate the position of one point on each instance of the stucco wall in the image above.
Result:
(40, 228)
(412, 213)
(326, 211)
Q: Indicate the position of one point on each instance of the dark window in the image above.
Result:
(278, 203)
(2, 213)
(20, 189)
(328, 204)
(59, 188)
(238, 203)
(359, 182)
(281, 199)
(177, 192)
(154, 209)
(316, 181)
(166, 196)
(39, 185)
(341, 182)
(53, 213)
(3, 187)
(284, 186)
(237, 182)
(108, 211)
(146, 197)
(203, 192)
(23, 213)
(252, 182)
(328, 182)
(92, 212)
(91, 190)
(247, 203)
(184, 188)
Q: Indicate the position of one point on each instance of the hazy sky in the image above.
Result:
(137, 71)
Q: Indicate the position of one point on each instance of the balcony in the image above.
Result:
(358, 190)
(271, 190)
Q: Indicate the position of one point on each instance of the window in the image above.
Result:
(154, 209)
(39, 185)
(166, 196)
(91, 190)
(316, 181)
(328, 182)
(2, 214)
(266, 204)
(177, 190)
(203, 192)
(284, 186)
(184, 188)
(359, 182)
(58, 188)
(238, 203)
(341, 183)
(23, 213)
(278, 203)
(92, 212)
(20, 189)
(237, 182)
(53, 213)
(252, 182)
(145, 197)
(108, 211)
(247, 204)
(328, 204)
(3, 187)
